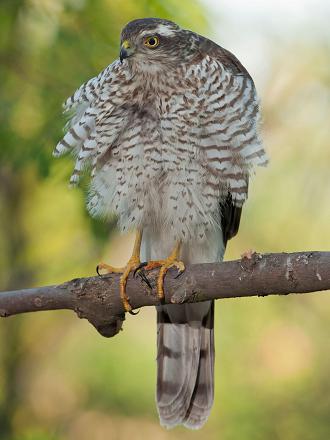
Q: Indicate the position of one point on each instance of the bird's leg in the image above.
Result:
(165, 265)
(133, 263)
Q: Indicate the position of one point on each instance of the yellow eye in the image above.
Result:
(151, 42)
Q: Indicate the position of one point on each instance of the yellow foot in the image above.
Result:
(132, 265)
(164, 265)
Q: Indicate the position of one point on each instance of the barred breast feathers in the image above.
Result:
(208, 117)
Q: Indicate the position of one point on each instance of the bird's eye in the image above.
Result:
(151, 42)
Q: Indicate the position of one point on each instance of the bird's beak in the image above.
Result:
(126, 50)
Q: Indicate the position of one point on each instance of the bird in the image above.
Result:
(170, 136)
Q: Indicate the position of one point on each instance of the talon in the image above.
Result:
(108, 269)
(165, 265)
(99, 267)
(170, 262)
(132, 265)
(140, 266)
(144, 278)
(180, 272)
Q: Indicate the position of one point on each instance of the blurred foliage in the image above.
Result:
(59, 380)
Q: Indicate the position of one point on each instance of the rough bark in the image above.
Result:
(97, 298)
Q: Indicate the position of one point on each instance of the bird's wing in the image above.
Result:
(227, 133)
(89, 107)
(224, 56)
(230, 122)
(230, 206)
(230, 218)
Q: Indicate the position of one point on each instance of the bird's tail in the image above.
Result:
(185, 345)
(185, 364)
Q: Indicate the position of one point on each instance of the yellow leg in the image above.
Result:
(165, 265)
(133, 263)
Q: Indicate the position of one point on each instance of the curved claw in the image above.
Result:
(124, 271)
(134, 313)
(140, 266)
(144, 278)
(180, 272)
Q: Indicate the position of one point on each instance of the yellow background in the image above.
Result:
(60, 380)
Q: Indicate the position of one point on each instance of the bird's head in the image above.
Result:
(154, 42)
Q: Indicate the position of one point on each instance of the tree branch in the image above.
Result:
(97, 298)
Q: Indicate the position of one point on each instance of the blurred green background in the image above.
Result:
(60, 380)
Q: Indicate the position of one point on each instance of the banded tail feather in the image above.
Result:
(185, 364)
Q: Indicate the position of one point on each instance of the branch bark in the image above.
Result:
(97, 298)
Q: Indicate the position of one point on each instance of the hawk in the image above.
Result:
(170, 134)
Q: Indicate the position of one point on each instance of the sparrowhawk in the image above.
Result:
(170, 134)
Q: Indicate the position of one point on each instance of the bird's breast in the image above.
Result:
(156, 174)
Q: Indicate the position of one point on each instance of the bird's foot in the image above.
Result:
(133, 263)
(164, 265)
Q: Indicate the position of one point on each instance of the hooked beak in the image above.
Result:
(125, 51)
